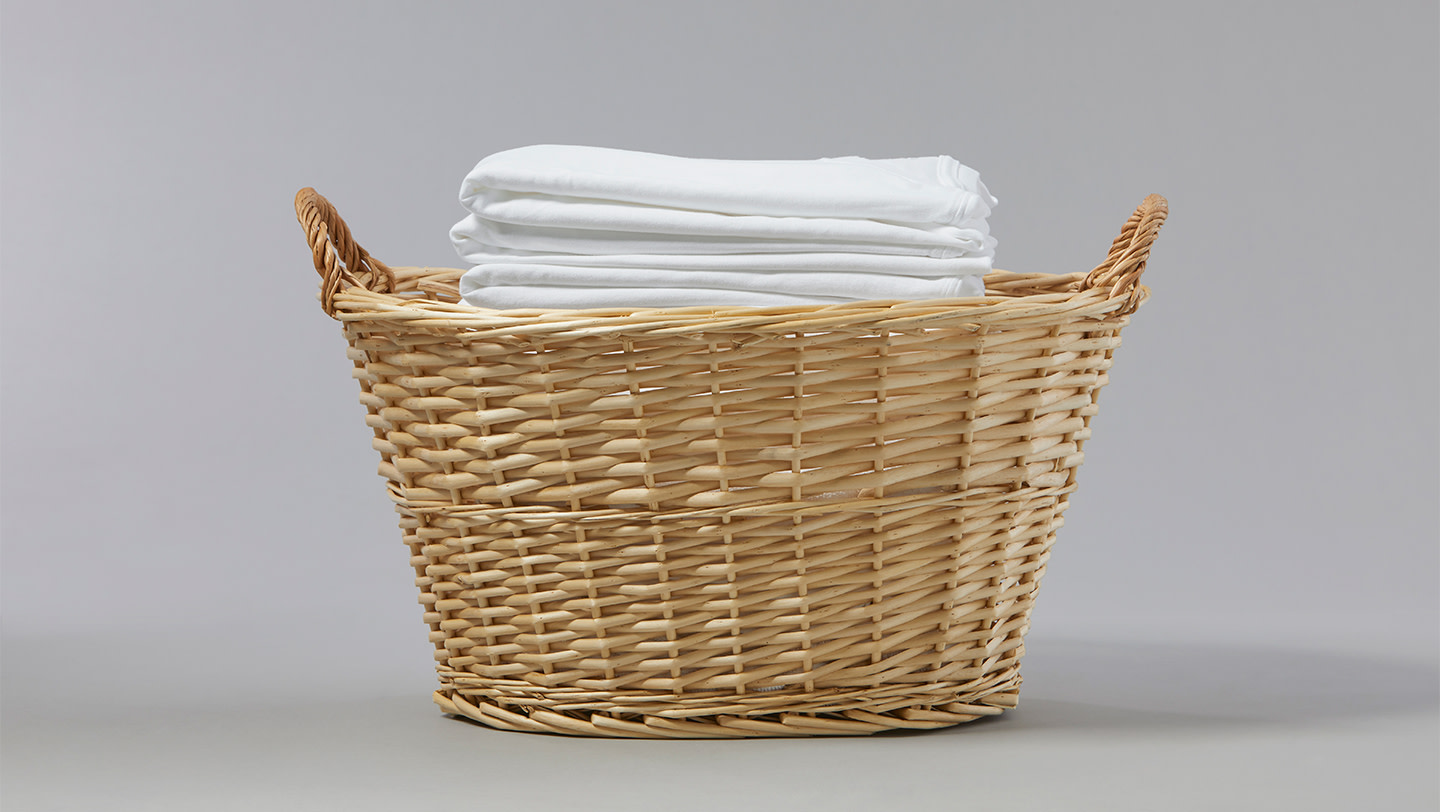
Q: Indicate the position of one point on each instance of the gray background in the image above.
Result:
(206, 602)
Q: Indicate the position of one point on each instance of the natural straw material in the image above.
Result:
(721, 521)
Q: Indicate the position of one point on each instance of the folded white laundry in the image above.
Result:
(485, 281)
(935, 190)
(520, 297)
(721, 234)
(477, 253)
(580, 227)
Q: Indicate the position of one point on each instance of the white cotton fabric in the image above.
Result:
(575, 226)
(722, 234)
(498, 285)
(479, 254)
(545, 297)
(937, 190)
(553, 221)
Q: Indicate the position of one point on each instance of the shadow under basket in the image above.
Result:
(728, 521)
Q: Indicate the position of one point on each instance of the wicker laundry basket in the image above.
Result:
(721, 521)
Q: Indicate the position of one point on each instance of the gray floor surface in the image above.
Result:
(1103, 725)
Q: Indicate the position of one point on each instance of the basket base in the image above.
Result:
(853, 722)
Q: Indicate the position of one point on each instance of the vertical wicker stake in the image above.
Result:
(722, 521)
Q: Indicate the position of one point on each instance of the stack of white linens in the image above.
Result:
(585, 227)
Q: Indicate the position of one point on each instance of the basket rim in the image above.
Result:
(1067, 299)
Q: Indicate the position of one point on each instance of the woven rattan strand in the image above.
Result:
(723, 521)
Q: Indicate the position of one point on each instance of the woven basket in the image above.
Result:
(723, 521)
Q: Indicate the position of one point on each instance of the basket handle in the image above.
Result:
(341, 262)
(1120, 272)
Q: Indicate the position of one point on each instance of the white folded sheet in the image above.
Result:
(525, 297)
(934, 190)
(655, 287)
(720, 234)
(477, 253)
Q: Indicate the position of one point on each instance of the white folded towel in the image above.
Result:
(938, 190)
(573, 227)
(497, 285)
(529, 297)
(477, 253)
(711, 233)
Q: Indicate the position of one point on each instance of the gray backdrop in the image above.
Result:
(206, 602)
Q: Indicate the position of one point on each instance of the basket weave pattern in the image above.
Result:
(692, 522)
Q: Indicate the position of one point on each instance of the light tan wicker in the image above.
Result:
(721, 521)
